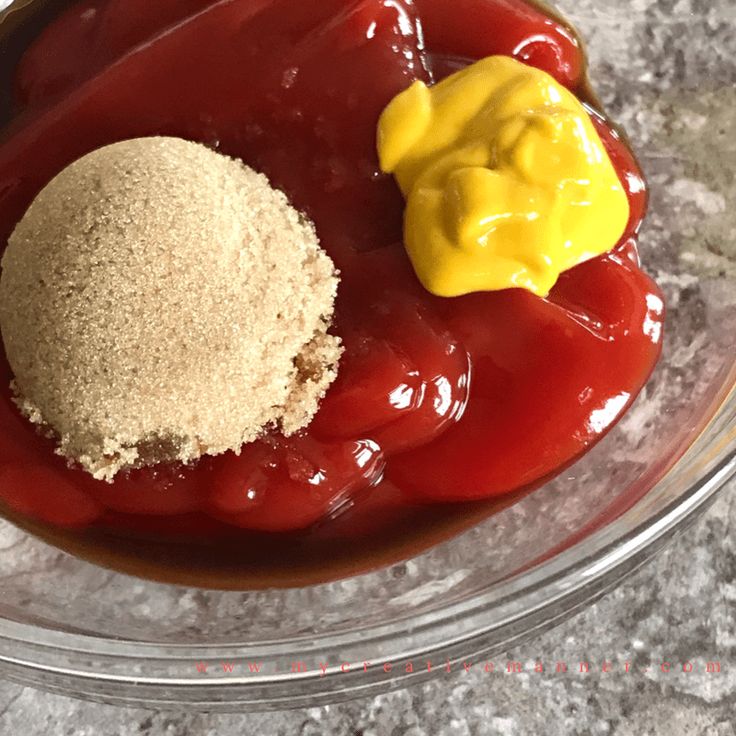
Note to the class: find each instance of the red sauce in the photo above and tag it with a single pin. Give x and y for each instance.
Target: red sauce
(437, 400)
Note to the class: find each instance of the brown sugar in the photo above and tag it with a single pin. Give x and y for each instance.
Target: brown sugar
(160, 301)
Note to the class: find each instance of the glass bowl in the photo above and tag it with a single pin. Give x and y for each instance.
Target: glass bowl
(667, 74)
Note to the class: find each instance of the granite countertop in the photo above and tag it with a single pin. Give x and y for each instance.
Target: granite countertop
(679, 609)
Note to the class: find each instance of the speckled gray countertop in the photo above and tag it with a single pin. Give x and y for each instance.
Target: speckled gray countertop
(680, 610)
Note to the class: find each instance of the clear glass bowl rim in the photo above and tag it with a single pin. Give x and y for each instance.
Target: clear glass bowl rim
(488, 621)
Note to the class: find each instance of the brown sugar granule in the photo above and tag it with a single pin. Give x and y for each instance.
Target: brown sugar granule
(160, 301)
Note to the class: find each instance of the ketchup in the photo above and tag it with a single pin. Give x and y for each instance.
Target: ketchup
(437, 400)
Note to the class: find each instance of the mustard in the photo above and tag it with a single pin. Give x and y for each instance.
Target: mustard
(506, 180)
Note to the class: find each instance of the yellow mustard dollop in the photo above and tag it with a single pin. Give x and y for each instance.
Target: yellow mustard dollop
(507, 181)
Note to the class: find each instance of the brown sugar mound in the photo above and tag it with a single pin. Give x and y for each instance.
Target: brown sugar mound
(160, 301)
